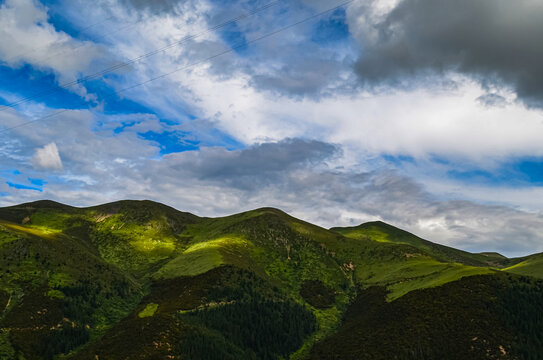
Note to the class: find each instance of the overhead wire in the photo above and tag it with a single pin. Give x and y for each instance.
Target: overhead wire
(132, 61)
(230, 50)
(80, 31)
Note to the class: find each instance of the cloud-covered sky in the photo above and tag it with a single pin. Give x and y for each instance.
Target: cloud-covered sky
(427, 114)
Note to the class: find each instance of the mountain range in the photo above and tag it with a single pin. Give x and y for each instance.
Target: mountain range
(141, 280)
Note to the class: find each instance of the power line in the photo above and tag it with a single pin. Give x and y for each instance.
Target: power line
(232, 49)
(82, 43)
(137, 59)
(81, 31)
(103, 36)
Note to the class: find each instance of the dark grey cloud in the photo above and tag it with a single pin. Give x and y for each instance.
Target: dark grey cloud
(496, 41)
(253, 167)
(154, 6)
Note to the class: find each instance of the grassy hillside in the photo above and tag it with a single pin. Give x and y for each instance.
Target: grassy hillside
(283, 250)
(59, 292)
(382, 255)
(479, 317)
(382, 232)
(79, 270)
(528, 266)
(138, 279)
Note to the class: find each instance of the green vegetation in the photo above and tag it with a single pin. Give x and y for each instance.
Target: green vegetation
(529, 266)
(382, 232)
(317, 294)
(149, 310)
(402, 262)
(446, 274)
(206, 344)
(6, 350)
(200, 257)
(479, 317)
(137, 279)
(269, 329)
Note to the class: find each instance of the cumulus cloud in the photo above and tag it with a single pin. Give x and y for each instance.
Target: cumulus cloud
(47, 158)
(495, 41)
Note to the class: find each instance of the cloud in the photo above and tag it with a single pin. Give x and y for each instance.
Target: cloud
(298, 175)
(250, 168)
(495, 41)
(47, 158)
(419, 123)
(492, 99)
(154, 6)
(26, 37)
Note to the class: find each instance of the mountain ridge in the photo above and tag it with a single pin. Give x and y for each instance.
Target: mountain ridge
(113, 268)
(116, 205)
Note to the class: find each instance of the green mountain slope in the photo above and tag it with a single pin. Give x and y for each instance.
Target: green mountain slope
(530, 266)
(382, 232)
(479, 317)
(138, 279)
(383, 255)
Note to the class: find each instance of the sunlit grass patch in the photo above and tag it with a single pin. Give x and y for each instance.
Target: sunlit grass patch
(41, 231)
(154, 247)
(60, 279)
(44, 231)
(391, 271)
(451, 272)
(221, 242)
(201, 257)
(50, 219)
(55, 294)
(372, 233)
(191, 264)
(149, 310)
(533, 266)
(328, 321)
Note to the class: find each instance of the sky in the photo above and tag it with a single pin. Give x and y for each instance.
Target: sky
(426, 114)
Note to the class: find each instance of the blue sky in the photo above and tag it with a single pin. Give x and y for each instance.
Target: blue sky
(330, 120)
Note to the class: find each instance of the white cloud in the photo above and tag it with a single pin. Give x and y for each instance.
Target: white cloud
(430, 120)
(418, 123)
(27, 37)
(47, 158)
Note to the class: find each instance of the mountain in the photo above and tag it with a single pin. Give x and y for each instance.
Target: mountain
(529, 265)
(382, 232)
(141, 280)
